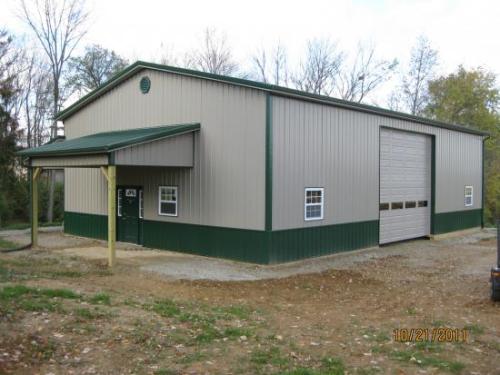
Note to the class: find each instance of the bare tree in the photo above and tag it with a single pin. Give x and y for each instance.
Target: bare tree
(58, 26)
(94, 67)
(272, 67)
(30, 86)
(12, 55)
(214, 55)
(37, 87)
(319, 71)
(168, 56)
(365, 75)
(394, 101)
(413, 89)
(259, 60)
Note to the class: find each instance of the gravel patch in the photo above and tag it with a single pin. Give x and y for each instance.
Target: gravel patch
(418, 254)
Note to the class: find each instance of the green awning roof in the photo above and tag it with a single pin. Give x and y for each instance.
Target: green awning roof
(108, 141)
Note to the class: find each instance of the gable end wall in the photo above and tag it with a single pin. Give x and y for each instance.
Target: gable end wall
(225, 188)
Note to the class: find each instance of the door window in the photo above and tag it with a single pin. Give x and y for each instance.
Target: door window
(141, 204)
(119, 202)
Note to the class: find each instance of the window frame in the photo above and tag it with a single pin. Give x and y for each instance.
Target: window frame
(141, 204)
(410, 204)
(423, 203)
(160, 201)
(119, 204)
(398, 205)
(321, 204)
(471, 195)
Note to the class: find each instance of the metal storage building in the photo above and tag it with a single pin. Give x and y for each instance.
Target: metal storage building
(189, 161)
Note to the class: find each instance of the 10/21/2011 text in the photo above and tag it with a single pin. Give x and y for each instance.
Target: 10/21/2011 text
(442, 334)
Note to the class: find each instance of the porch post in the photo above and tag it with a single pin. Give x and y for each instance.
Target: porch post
(34, 206)
(111, 172)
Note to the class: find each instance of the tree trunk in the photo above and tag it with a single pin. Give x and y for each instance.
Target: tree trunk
(53, 135)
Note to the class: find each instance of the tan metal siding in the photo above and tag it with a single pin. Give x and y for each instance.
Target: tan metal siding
(317, 145)
(170, 152)
(70, 161)
(226, 187)
(85, 190)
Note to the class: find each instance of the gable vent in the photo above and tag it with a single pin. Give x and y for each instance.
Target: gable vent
(145, 84)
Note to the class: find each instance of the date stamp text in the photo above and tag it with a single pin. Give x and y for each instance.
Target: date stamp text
(441, 334)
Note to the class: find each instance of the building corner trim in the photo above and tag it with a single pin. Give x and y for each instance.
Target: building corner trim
(483, 190)
(268, 221)
(269, 164)
(433, 184)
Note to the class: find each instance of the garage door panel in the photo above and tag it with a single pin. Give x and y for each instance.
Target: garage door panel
(404, 192)
(405, 165)
(406, 151)
(404, 219)
(400, 230)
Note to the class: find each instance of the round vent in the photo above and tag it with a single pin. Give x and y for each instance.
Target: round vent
(145, 85)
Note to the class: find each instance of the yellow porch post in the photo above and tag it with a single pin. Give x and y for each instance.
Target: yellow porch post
(34, 207)
(111, 174)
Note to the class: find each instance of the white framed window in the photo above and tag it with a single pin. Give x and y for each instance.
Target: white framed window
(141, 204)
(167, 200)
(119, 195)
(469, 196)
(313, 203)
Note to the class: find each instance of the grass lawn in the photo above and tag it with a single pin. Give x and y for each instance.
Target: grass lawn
(66, 313)
(4, 244)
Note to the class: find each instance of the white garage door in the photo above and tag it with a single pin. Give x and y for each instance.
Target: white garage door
(405, 185)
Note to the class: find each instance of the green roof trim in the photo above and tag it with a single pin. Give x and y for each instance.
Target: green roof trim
(273, 89)
(107, 142)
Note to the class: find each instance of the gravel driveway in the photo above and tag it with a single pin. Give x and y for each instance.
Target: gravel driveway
(418, 253)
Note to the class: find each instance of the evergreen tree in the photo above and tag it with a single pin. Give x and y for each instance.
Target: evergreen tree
(11, 184)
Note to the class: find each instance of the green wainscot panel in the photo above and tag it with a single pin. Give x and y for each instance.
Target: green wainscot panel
(230, 243)
(262, 247)
(457, 220)
(292, 244)
(86, 225)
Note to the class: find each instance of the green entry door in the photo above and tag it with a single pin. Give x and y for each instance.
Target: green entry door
(128, 228)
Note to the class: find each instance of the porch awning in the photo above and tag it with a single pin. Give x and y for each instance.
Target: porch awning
(170, 145)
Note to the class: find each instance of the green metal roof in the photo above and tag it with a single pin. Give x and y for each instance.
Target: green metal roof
(107, 142)
(273, 89)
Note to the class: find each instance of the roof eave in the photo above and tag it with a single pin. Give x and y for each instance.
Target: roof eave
(107, 149)
(105, 87)
(62, 154)
(275, 90)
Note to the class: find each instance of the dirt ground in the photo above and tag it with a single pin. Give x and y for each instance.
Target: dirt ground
(63, 312)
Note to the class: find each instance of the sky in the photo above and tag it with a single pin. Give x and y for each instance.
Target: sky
(463, 31)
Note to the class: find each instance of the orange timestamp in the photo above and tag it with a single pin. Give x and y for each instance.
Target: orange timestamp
(440, 334)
